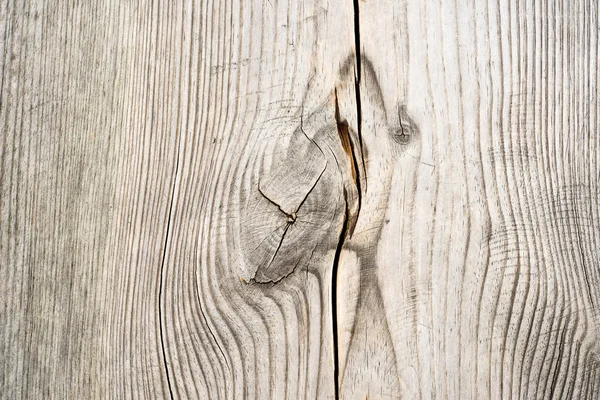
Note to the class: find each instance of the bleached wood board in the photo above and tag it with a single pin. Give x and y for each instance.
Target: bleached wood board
(484, 282)
(228, 200)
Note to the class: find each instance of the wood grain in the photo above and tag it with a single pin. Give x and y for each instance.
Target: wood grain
(88, 157)
(486, 267)
(299, 199)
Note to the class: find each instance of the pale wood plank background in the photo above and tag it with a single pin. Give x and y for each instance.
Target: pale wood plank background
(299, 199)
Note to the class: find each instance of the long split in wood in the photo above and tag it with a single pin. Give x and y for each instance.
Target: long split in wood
(349, 222)
(161, 279)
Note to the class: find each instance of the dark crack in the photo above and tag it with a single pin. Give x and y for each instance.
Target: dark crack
(160, 287)
(349, 148)
(290, 216)
(349, 221)
(334, 272)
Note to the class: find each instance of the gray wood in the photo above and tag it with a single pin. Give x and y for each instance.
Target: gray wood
(302, 199)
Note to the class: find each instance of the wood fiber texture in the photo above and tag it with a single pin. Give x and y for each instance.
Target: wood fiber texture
(300, 199)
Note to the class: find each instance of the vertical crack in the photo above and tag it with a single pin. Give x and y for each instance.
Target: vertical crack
(160, 287)
(357, 78)
(336, 260)
(349, 149)
(359, 122)
(348, 225)
(349, 220)
(357, 39)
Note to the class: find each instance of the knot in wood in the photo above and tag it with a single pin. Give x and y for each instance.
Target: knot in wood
(291, 218)
(289, 211)
(402, 135)
(407, 130)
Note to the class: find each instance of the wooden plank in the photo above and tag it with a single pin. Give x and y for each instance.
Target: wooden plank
(130, 136)
(473, 270)
(299, 199)
(257, 209)
(88, 116)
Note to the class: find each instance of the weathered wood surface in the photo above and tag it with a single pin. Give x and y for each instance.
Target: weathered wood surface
(302, 199)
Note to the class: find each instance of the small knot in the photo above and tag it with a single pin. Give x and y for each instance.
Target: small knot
(291, 218)
(402, 135)
(407, 129)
